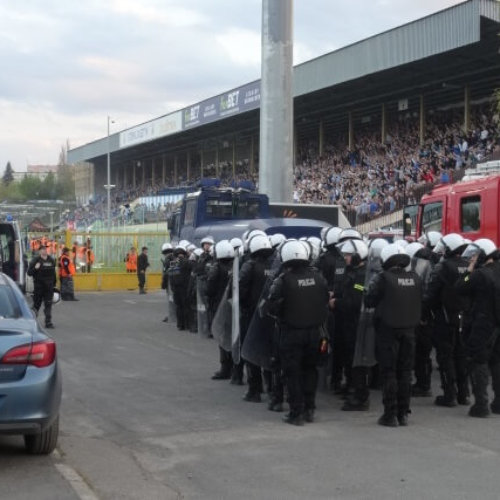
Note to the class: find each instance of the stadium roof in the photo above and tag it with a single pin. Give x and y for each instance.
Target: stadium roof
(435, 56)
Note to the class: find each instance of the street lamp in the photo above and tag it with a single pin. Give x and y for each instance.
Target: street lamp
(51, 224)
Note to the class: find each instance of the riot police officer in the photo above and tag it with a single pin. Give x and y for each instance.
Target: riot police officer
(218, 278)
(348, 304)
(481, 284)
(167, 251)
(299, 298)
(396, 295)
(179, 275)
(332, 265)
(43, 270)
(441, 300)
(253, 276)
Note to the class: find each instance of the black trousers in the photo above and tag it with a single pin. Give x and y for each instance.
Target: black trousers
(142, 280)
(43, 292)
(182, 308)
(395, 355)
(423, 362)
(299, 351)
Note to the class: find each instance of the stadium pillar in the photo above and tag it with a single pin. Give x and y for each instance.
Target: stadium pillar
(383, 128)
(320, 138)
(276, 104)
(217, 159)
(134, 179)
(143, 165)
(466, 108)
(153, 168)
(351, 131)
(252, 155)
(234, 158)
(163, 168)
(175, 168)
(422, 120)
(188, 164)
(125, 180)
(201, 163)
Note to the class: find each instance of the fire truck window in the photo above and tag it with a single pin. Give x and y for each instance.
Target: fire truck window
(432, 217)
(470, 209)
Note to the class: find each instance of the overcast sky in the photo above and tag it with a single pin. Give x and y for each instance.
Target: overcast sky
(67, 64)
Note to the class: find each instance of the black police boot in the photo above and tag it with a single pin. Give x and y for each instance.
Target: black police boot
(165, 319)
(221, 375)
(463, 394)
(237, 374)
(403, 417)
(449, 398)
(495, 382)
(252, 397)
(275, 405)
(337, 388)
(309, 416)
(293, 419)
(480, 378)
(49, 324)
(420, 392)
(355, 404)
(388, 420)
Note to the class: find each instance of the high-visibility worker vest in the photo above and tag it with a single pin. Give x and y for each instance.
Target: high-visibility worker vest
(63, 265)
(131, 262)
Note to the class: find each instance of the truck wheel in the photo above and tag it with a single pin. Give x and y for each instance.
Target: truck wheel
(44, 442)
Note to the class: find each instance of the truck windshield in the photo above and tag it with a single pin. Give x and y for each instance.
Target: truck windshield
(432, 217)
(217, 208)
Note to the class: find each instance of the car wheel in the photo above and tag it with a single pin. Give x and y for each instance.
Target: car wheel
(44, 442)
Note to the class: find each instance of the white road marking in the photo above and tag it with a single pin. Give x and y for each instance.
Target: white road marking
(77, 482)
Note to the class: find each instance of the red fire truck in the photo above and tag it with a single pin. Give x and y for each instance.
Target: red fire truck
(470, 207)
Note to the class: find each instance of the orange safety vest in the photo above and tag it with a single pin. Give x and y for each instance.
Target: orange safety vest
(71, 267)
(89, 256)
(131, 262)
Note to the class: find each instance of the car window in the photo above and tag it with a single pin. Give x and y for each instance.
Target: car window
(8, 304)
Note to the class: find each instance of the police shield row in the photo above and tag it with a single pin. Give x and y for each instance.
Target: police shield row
(372, 312)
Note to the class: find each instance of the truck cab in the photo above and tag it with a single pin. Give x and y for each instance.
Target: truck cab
(470, 207)
(226, 213)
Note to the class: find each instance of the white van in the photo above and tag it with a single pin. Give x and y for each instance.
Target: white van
(12, 253)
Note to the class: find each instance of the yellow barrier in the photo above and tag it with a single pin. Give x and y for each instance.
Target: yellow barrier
(96, 281)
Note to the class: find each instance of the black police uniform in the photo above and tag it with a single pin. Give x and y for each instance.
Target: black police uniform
(142, 265)
(332, 266)
(348, 305)
(217, 280)
(44, 281)
(253, 276)
(165, 262)
(422, 265)
(200, 274)
(299, 298)
(179, 276)
(482, 342)
(396, 295)
(442, 300)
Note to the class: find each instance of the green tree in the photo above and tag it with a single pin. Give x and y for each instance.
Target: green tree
(30, 187)
(48, 188)
(65, 175)
(8, 175)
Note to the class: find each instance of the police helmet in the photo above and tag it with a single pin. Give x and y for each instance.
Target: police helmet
(375, 246)
(224, 250)
(191, 247)
(197, 252)
(413, 248)
(183, 243)
(207, 239)
(315, 244)
(430, 239)
(402, 243)
(277, 239)
(449, 245)
(356, 248)
(56, 297)
(349, 234)
(180, 249)
(166, 248)
(250, 235)
(294, 251)
(259, 243)
(323, 232)
(236, 242)
(394, 255)
(331, 236)
(484, 248)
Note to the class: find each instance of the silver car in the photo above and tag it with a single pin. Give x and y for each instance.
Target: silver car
(30, 380)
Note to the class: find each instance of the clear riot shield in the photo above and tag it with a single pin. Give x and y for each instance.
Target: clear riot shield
(260, 340)
(235, 323)
(172, 312)
(202, 307)
(364, 350)
(222, 322)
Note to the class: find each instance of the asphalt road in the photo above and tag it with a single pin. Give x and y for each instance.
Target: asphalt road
(141, 419)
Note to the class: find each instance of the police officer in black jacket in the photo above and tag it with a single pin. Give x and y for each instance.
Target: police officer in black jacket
(443, 302)
(481, 284)
(253, 277)
(43, 270)
(167, 251)
(332, 266)
(142, 265)
(299, 298)
(218, 278)
(396, 295)
(348, 305)
(179, 275)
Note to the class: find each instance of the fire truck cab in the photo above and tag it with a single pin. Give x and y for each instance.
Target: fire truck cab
(470, 207)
